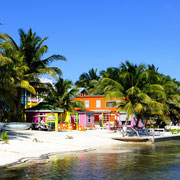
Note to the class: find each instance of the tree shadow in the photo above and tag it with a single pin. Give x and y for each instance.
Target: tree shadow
(18, 135)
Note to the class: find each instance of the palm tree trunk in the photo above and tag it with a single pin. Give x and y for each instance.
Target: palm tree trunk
(19, 109)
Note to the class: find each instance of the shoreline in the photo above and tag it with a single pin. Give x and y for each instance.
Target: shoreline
(23, 149)
(28, 146)
(42, 157)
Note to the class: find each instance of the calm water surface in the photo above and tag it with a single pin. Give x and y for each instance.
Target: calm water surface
(127, 161)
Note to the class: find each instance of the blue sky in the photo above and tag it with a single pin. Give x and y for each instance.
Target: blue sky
(101, 33)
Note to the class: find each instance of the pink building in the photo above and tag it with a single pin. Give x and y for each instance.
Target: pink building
(85, 118)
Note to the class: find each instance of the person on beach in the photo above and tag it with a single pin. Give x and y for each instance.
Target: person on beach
(101, 120)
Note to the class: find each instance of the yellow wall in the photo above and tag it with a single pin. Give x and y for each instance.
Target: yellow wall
(29, 105)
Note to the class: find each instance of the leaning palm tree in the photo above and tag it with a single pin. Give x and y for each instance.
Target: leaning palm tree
(27, 63)
(61, 94)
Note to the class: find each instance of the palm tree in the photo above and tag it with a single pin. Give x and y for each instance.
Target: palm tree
(169, 97)
(98, 89)
(60, 95)
(88, 80)
(172, 103)
(13, 82)
(27, 64)
(111, 72)
(131, 90)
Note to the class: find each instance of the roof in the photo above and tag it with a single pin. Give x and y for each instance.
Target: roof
(83, 111)
(82, 89)
(102, 111)
(90, 96)
(44, 108)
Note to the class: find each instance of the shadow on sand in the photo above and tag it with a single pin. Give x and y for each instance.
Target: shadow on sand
(17, 134)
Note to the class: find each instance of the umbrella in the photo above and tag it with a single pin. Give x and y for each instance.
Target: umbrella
(120, 122)
(133, 122)
(140, 124)
(109, 125)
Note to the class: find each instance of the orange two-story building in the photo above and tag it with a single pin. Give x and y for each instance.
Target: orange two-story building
(99, 106)
(102, 108)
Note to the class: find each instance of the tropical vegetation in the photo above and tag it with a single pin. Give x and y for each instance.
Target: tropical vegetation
(61, 93)
(142, 91)
(88, 80)
(4, 137)
(20, 66)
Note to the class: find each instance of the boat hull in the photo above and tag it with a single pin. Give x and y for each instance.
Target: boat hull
(133, 139)
(15, 126)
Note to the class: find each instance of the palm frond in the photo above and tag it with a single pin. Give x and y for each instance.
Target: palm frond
(11, 40)
(3, 37)
(57, 70)
(144, 75)
(42, 50)
(138, 107)
(4, 60)
(113, 94)
(24, 84)
(133, 90)
(40, 43)
(156, 87)
(53, 58)
(107, 81)
(47, 70)
(144, 97)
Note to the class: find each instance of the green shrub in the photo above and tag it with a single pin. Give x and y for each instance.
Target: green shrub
(178, 130)
(175, 131)
(4, 137)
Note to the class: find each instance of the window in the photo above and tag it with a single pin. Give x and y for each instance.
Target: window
(51, 126)
(41, 117)
(89, 118)
(87, 104)
(110, 104)
(98, 103)
(106, 117)
(123, 117)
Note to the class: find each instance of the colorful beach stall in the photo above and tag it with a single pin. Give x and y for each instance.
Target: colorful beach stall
(80, 120)
(44, 113)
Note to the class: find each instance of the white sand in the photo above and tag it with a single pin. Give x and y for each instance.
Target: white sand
(22, 146)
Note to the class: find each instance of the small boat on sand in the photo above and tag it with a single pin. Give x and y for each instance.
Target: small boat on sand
(15, 126)
(134, 139)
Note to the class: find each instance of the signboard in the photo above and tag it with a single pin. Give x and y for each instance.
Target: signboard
(52, 120)
(51, 117)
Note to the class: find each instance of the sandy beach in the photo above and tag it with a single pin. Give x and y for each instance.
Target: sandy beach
(29, 145)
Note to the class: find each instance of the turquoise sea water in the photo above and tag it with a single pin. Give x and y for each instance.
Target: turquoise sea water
(126, 161)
